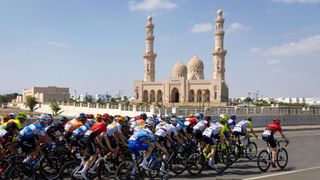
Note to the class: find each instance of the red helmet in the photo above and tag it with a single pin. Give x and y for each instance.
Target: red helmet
(106, 117)
(276, 121)
(90, 116)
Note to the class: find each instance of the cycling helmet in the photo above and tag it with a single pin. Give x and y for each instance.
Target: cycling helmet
(174, 121)
(150, 124)
(11, 126)
(215, 121)
(190, 115)
(223, 118)
(233, 116)
(12, 115)
(6, 116)
(197, 115)
(99, 116)
(144, 116)
(45, 117)
(22, 116)
(121, 120)
(91, 122)
(249, 118)
(90, 116)
(276, 121)
(63, 119)
(106, 118)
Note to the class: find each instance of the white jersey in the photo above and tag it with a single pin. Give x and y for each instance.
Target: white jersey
(241, 126)
(113, 128)
(200, 126)
(214, 129)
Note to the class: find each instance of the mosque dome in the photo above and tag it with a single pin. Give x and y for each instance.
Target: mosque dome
(179, 70)
(195, 69)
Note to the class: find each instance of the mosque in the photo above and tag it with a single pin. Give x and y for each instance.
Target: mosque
(187, 85)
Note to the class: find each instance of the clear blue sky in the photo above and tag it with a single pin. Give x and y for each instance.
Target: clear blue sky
(97, 46)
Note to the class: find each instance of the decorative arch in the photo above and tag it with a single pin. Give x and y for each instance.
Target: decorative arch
(207, 95)
(159, 96)
(152, 96)
(145, 96)
(175, 95)
(199, 96)
(191, 95)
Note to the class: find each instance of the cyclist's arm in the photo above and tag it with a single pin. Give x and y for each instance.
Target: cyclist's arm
(284, 137)
(106, 138)
(251, 130)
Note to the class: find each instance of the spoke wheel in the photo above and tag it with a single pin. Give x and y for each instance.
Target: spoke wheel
(264, 160)
(282, 158)
(178, 164)
(22, 171)
(127, 171)
(195, 163)
(251, 151)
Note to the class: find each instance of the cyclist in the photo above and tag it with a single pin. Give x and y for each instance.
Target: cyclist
(115, 134)
(63, 120)
(27, 139)
(92, 138)
(5, 118)
(8, 137)
(212, 135)
(99, 118)
(268, 136)
(241, 128)
(21, 118)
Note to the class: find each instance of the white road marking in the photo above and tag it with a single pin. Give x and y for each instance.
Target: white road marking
(283, 173)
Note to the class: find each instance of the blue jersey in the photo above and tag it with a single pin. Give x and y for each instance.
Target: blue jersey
(80, 131)
(32, 130)
(142, 135)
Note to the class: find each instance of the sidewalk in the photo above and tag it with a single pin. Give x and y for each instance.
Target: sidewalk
(292, 128)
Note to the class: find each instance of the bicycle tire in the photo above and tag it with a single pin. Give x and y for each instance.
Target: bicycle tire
(264, 160)
(68, 170)
(125, 169)
(251, 151)
(178, 164)
(22, 171)
(195, 164)
(221, 161)
(282, 156)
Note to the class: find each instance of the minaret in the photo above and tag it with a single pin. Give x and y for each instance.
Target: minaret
(219, 53)
(149, 56)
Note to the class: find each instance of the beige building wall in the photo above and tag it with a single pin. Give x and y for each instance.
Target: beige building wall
(47, 94)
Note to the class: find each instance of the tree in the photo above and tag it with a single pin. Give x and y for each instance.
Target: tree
(8, 97)
(247, 100)
(31, 103)
(55, 108)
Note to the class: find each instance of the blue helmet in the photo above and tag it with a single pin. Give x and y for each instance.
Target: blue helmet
(233, 116)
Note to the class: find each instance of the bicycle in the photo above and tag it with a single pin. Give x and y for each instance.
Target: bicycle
(264, 158)
(244, 147)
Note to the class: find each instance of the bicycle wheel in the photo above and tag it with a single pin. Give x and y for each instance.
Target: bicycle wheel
(22, 171)
(50, 166)
(154, 168)
(195, 163)
(127, 170)
(282, 158)
(178, 164)
(222, 160)
(103, 170)
(251, 151)
(264, 160)
(69, 170)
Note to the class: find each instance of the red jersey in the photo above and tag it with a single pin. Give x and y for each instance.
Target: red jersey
(274, 128)
(99, 128)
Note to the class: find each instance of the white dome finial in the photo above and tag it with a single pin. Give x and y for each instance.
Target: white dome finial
(219, 13)
(149, 18)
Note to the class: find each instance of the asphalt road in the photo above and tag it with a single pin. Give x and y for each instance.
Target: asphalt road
(304, 162)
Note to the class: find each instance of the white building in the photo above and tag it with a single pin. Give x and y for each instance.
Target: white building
(84, 97)
(103, 97)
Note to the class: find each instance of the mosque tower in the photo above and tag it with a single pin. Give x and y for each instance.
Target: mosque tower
(221, 91)
(149, 56)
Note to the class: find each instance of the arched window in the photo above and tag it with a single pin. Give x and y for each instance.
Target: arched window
(152, 96)
(191, 95)
(159, 96)
(199, 96)
(175, 95)
(207, 95)
(145, 96)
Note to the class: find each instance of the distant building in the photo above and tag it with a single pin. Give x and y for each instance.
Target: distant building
(45, 94)
(103, 97)
(86, 97)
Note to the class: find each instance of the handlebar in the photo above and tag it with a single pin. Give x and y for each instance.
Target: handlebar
(281, 141)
